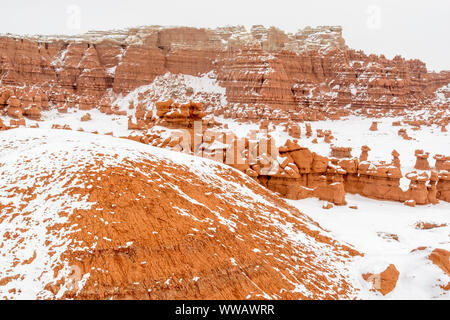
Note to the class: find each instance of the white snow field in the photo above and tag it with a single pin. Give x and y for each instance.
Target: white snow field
(373, 229)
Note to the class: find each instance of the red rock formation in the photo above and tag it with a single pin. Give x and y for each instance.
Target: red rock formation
(441, 258)
(374, 126)
(410, 203)
(268, 75)
(404, 134)
(327, 136)
(429, 225)
(422, 160)
(395, 159)
(295, 172)
(86, 117)
(305, 76)
(341, 152)
(327, 206)
(384, 282)
(140, 125)
(17, 123)
(294, 130)
(175, 115)
(443, 186)
(364, 153)
(442, 162)
(308, 130)
(2, 125)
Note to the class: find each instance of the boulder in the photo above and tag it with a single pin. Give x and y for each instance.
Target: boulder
(384, 282)
(441, 258)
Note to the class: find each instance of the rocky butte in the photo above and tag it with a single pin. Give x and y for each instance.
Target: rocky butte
(303, 76)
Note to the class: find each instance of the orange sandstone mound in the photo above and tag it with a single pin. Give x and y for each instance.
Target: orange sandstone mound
(97, 217)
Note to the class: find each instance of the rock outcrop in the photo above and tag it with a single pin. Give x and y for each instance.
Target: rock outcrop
(422, 160)
(441, 258)
(175, 115)
(384, 282)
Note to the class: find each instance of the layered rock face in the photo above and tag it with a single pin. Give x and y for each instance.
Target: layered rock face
(267, 73)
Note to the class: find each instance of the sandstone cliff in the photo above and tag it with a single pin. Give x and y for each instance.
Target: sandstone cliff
(303, 76)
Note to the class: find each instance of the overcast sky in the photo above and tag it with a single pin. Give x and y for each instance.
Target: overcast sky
(414, 29)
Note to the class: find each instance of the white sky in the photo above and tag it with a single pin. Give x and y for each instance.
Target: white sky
(413, 29)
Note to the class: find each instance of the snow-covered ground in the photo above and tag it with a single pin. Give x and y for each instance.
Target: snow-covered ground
(373, 229)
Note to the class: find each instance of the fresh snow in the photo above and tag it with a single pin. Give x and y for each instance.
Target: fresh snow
(369, 229)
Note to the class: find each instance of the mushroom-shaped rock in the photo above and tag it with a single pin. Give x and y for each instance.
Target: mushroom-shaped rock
(443, 185)
(422, 160)
(440, 161)
(308, 130)
(34, 112)
(395, 158)
(264, 125)
(418, 190)
(294, 130)
(13, 101)
(364, 153)
(374, 126)
(174, 115)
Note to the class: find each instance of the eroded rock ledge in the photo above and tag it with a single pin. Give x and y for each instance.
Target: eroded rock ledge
(308, 75)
